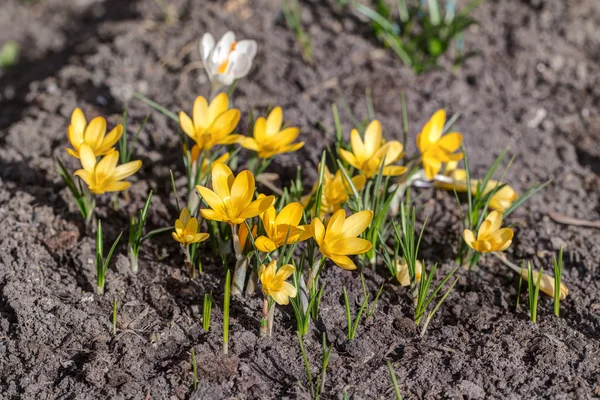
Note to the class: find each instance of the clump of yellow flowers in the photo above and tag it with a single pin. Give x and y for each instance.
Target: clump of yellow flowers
(344, 220)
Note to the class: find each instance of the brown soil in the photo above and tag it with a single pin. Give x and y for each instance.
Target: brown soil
(534, 86)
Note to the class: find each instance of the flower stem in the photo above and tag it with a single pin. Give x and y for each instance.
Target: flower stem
(188, 260)
(241, 264)
(252, 283)
(264, 321)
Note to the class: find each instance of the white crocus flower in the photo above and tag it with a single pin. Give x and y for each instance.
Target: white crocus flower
(228, 60)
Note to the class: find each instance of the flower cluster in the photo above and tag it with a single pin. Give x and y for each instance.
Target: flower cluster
(346, 219)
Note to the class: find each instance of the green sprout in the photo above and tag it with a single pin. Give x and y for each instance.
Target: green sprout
(101, 262)
(194, 369)
(206, 310)
(9, 54)
(83, 198)
(316, 388)
(558, 268)
(533, 292)
(420, 35)
(293, 16)
(352, 326)
(394, 380)
(226, 312)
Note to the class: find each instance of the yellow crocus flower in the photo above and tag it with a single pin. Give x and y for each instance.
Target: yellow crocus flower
(340, 238)
(490, 237)
(104, 175)
(212, 124)
(280, 226)
(367, 156)
(230, 199)
(435, 148)
(186, 229)
(547, 283)
(500, 201)
(94, 135)
(403, 275)
(336, 191)
(273, 282)
(269, 139)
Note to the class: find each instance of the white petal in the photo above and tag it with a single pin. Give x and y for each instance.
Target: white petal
(207, 44)
(223, 48)
(247, 47)
(239, 65)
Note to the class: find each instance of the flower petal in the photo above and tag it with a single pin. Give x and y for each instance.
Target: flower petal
(350, 158)
(343, 262)
(351, 246)
(257, 207)
(218, 106)
(291, 214)
(116, 186)
(358, 147)
(274, 122)
(94, 133)
(242, 190)
(451, 142)
(79, 124)
(211, 198)
(207, 44)
(318, 230)
(222, 180)
(126, 170)
(355, 224)
(109, 140)
(200, 114)
(432, 131)
(213, 215)
(88, 158)
(373, 139)
(469, 238)
(187, 125)
(265, 244)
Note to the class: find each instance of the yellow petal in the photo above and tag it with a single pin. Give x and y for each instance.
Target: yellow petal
(250, 144)
(260, 130)
(213, 215)
(274, 121)
(335, 226)
(287, 288)
(432, 131)
(187, 125)
(218, 106)
(210, 197)
(343, 262)
(200, 237)
(284, 272)
(495, 219)
(116, 186)
(225, 123)
(394, 170)
(280, 298)
(451, 142)
(287, 136)
(75, 138)
(290, 215)
(257, 207)
(85, 175)
(350, 158)
(192, 225)
(200, 114)
(94, 133)
(318, 230)
(123, 171)
(109, 140)
(242, 190)
(87, 157)
(351, 246)
(373, 139)
(184, 218)
(355, 224)
(432, 166)
(106, 167)
(79, 124)
(469, 237)
(265, 244)
(222, 180)
(358, 147)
